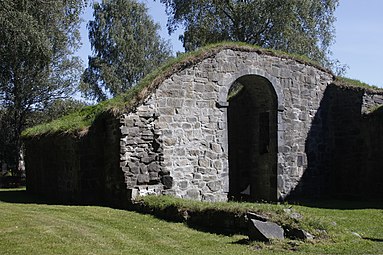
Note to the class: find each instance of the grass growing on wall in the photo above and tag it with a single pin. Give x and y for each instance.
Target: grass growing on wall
(379, 110)
(81, 120)
(355, 83)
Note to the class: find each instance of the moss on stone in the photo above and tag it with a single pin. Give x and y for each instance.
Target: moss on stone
(78, 122)
(351, 83)
(378, 111)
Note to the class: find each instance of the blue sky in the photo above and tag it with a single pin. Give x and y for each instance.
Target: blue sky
(359, 37)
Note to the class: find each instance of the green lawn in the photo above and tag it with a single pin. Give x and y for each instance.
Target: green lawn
(29, 226)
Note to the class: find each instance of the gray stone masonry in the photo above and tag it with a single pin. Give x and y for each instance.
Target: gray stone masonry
(176, 142)
(236, 125)
(371, 101)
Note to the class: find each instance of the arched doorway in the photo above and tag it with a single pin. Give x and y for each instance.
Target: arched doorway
(252, 135)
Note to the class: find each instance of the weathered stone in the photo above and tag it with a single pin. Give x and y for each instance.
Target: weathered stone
(167, 181)
(297, 233)
(193, 194)
(124, 130)
(183, 184)
(170, 141)
(186, 126)
(217, 148)
(287, 134)
(217, 164)
(153, 176)
(215, 185)
(255, 216)
(264, 231)
(164, 172)
(134, 168)
(154, 167)
(142, 179)
(204, 162)
(148, 159)
(292, 214)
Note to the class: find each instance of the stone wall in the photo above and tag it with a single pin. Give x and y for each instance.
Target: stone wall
(288, 132)
(78, 169)
(344, 147)
(191, 125)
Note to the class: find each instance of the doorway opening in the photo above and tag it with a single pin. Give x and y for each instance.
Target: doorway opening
(252, 137)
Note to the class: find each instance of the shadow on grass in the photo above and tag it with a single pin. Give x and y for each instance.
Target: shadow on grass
(373, 239)
(243, 241)
(214, 229)
(340, 204)
(21, 196)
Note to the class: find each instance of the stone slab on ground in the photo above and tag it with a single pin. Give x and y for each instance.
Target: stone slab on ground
(264, 231)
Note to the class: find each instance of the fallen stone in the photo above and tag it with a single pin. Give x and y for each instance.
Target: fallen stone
(292, 214)
(297, 233)
(254, 216)
(264, 231)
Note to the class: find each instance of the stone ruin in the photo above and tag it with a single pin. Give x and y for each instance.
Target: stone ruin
(239, 123)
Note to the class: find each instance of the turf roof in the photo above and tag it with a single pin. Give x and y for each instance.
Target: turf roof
(78, 122)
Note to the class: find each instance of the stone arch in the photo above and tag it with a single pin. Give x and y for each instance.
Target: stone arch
(252, 138)
(228, 81)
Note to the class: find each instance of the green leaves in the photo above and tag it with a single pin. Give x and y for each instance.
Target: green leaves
(37, 66)
(126, 47)
(304, 27)
(37, 40)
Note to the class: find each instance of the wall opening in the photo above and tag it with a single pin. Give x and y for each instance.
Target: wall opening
(252, 137)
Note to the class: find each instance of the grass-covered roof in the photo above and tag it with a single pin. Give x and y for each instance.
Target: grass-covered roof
(78, 122)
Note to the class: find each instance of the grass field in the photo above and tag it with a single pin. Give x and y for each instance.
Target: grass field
(30, 226)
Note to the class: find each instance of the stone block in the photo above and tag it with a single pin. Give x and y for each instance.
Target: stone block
(154, 177)
(297, 233)
(193, 194)
(164, 172)
(166, 110)
(197, 176)
(203, 163)
(215, 185)
(217, 148)
(170, 141)
(134, 168)
(206, 171)
(124, 130)
(264, 231)
(167, 181)
(142, 179)
(183, 184)
(186, 126)
(147, 133)
(143, 169)
(174, 102)
(255, 216)
(217, 164)
(211, 155)
(180, 152)
(148, 159)
(133, 131)
(154, 167)
(209, 197)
